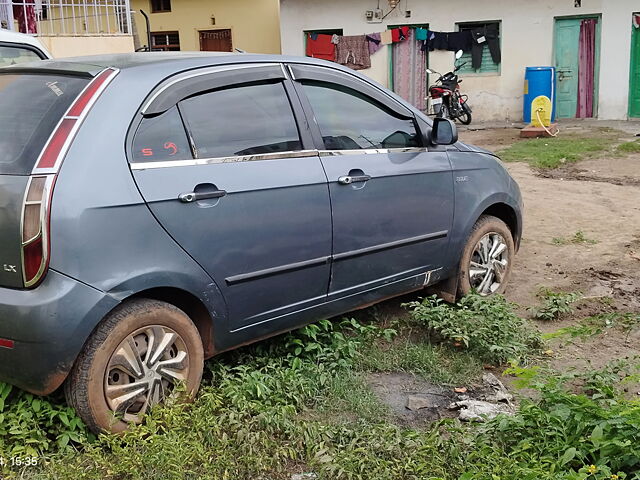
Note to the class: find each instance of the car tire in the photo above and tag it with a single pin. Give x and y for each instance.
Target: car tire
(125, 368)
(487, 258)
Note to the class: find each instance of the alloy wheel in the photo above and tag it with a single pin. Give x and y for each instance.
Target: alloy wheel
(143, 371)
(489, 263)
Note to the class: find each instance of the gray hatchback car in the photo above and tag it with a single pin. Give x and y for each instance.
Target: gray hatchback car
(158, 209)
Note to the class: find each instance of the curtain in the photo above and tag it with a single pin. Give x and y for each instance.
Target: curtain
(409, 71)
(25, 13)
(586, 67)
(6, 14)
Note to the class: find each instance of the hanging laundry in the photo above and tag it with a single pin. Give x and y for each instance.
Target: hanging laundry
(335, 39)
(353, 51)
(374, 42)
(487, 35)
(421, 34)
(636, 21)
(321, 47)
(386, 37)
(460, 41)
(439, 41)
(399, 34)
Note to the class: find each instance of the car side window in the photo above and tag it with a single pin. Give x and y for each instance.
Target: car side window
(349, 120)
(161, 138)
(242, 120)
(16, 55)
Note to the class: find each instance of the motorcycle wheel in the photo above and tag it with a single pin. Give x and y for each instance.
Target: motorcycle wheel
(465, 118)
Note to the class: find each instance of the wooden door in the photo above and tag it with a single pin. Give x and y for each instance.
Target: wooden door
(567, 40)
(634, 84)
(216, 40)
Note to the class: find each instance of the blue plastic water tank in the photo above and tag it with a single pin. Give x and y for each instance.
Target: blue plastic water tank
(539, 81)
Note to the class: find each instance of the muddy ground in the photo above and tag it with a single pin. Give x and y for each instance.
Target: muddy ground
(599, 197)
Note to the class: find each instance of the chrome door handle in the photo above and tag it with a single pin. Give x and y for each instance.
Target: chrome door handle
(348, 179)
(194, 196)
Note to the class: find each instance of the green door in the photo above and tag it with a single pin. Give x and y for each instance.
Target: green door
(634, 84)
(567, 39)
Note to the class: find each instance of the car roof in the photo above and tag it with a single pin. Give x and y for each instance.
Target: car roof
(21, 38)
(161, 62)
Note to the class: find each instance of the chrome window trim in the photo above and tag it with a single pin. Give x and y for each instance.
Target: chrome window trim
(371, 151)
(219, 160)
(198, 73)
(271, 156)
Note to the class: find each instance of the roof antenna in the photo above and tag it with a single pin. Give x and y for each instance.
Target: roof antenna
(239, 50)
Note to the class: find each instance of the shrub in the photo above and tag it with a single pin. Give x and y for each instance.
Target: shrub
(486, 326)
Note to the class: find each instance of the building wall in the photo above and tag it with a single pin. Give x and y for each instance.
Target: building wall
(254, 24)
(527, 30)
(70, 46)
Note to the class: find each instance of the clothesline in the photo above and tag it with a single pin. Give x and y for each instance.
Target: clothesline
(355, 51)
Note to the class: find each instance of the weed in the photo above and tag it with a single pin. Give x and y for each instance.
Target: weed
(33, 426)
(554, 304)
(486, 326)
(597, 324)
(578, 238)
(548, 153)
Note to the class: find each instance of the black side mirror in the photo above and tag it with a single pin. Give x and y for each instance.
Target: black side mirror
(443, 132)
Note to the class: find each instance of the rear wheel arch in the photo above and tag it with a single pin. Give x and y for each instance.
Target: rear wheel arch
(191, 305)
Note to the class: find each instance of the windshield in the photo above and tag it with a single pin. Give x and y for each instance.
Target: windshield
(30, 107)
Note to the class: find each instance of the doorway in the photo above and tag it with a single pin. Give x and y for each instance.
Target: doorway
(577, 60)
(408, 66)
(216, 40)
(634, 82)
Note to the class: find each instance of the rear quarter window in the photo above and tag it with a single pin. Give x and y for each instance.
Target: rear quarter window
(161, 138)
(10, 55)
(31, 105)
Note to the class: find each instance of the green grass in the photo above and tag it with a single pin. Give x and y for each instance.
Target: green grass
(629, 147)
(437, 364)
(549, 153)
(578, 238)
(300, 403)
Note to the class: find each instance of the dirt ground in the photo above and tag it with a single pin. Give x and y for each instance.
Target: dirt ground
(601, 198)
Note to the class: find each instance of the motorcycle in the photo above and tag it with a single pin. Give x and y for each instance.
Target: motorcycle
(446, 99)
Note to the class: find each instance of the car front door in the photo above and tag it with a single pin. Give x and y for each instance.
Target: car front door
(241, 189)
(391, 197)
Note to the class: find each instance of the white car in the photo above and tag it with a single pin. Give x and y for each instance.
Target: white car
(19, 48)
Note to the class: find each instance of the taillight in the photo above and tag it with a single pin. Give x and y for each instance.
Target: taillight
(37, 201)
(35, 229)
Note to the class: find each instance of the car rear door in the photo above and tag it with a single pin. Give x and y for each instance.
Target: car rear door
(391, 196)
(241, 189)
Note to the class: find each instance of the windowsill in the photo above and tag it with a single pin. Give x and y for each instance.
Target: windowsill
(480, 74)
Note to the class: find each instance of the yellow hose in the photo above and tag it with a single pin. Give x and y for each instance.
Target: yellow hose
(545, 128)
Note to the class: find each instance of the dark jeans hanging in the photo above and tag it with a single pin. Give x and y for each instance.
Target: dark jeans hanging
(492, 40)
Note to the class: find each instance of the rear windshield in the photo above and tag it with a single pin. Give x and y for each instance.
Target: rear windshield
(30, 108)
